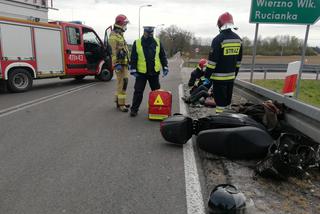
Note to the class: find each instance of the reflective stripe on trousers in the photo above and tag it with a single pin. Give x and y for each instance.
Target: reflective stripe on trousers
(220, 109)
(223, 76)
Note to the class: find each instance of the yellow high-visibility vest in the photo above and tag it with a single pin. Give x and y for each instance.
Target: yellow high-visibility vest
(142, 64)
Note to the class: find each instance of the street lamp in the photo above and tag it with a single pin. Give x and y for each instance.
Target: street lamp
(146, 5)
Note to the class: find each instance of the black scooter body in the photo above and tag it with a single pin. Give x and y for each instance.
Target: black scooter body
(225, 120)
(177, 129)
(245, 142)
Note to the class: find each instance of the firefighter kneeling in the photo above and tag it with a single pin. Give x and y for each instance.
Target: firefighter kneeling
(198, 73)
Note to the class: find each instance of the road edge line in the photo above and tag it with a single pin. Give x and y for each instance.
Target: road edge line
(195, 203)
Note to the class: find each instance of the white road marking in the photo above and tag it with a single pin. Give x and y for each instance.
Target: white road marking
(195, 204)
(13, 109)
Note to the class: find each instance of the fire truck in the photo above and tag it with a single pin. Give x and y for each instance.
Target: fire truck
(35, 50)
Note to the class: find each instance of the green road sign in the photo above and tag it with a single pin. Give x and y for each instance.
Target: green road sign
(285, 11)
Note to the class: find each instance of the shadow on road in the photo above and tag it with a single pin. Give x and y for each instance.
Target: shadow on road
(43, 85)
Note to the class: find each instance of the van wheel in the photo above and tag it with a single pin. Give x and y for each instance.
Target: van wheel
(105, 75)
(19, 80)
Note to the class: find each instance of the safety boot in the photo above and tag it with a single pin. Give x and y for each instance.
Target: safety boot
(133, 113)
(186, 99)
(123, 108)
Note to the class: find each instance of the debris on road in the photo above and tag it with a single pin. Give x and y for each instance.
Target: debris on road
(293, 195)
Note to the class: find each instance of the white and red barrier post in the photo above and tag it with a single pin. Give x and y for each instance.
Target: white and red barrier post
(291, 78)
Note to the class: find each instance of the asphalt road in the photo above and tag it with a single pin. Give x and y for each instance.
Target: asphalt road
(70, 151)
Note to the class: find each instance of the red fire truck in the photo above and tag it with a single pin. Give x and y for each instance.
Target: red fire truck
(34, 50)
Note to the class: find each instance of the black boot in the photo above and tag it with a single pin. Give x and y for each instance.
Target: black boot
(133, 113)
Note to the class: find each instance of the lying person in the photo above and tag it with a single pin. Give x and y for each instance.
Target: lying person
(201, 94)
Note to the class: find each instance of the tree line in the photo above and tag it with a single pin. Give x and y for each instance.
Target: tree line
(176, 40)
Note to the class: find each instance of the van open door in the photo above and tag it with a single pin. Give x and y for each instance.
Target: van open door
(107, 48)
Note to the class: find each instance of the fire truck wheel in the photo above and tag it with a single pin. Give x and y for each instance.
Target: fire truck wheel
(105, 75)
(79, 77)
(19, 80)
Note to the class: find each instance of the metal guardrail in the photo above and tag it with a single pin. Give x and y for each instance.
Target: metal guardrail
(279, 67)
(301, 116)
(260, 67)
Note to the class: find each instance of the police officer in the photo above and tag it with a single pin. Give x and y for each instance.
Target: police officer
(224, 62)
(120, 59)
(147, 57)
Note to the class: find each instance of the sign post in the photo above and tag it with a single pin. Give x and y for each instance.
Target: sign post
(302, 62)
(254, 51)
(304, 12)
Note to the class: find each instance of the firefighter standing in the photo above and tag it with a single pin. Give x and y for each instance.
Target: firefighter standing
(224, 62)
(147, 57)
(120, 59)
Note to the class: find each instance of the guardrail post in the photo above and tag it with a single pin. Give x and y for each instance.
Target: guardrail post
(317, 76)
(265, 73)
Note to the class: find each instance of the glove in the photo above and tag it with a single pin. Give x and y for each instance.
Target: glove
(118, 67)
(206, 82)
(165, 71)
(134, 73)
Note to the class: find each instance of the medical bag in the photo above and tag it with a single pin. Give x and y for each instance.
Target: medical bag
(160, 104)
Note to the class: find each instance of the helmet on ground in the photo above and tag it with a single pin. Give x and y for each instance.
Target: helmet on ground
(226, 198)
(202, 63)
(225, 21)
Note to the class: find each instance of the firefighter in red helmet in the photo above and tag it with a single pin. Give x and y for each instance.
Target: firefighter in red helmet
(198, 72)
(120, 59)
(224, 62)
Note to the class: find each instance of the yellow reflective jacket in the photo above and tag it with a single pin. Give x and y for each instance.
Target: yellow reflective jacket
(142, 64)
(120, 50)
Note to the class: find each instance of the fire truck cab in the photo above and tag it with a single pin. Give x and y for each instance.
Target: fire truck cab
(34, 50)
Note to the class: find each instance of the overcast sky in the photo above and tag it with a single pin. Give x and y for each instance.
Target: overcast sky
(196, 16)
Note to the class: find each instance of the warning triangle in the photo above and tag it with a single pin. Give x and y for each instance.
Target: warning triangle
(158, 101)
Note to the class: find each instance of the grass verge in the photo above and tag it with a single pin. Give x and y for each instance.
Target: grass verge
(309, 90)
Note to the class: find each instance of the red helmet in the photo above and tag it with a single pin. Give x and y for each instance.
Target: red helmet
(121, 20)
(225, 18)
(202, 63)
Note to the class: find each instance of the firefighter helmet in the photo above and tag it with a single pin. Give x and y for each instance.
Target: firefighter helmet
(202, 63)
(121, 20)
(225, 19)
(226, 198)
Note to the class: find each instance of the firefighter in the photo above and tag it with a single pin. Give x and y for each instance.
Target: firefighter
(120, 59)
(224, 62)
(198, 72)
(147, 58)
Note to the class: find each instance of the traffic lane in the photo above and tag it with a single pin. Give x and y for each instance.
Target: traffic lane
(41, 88)
(77, 154)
